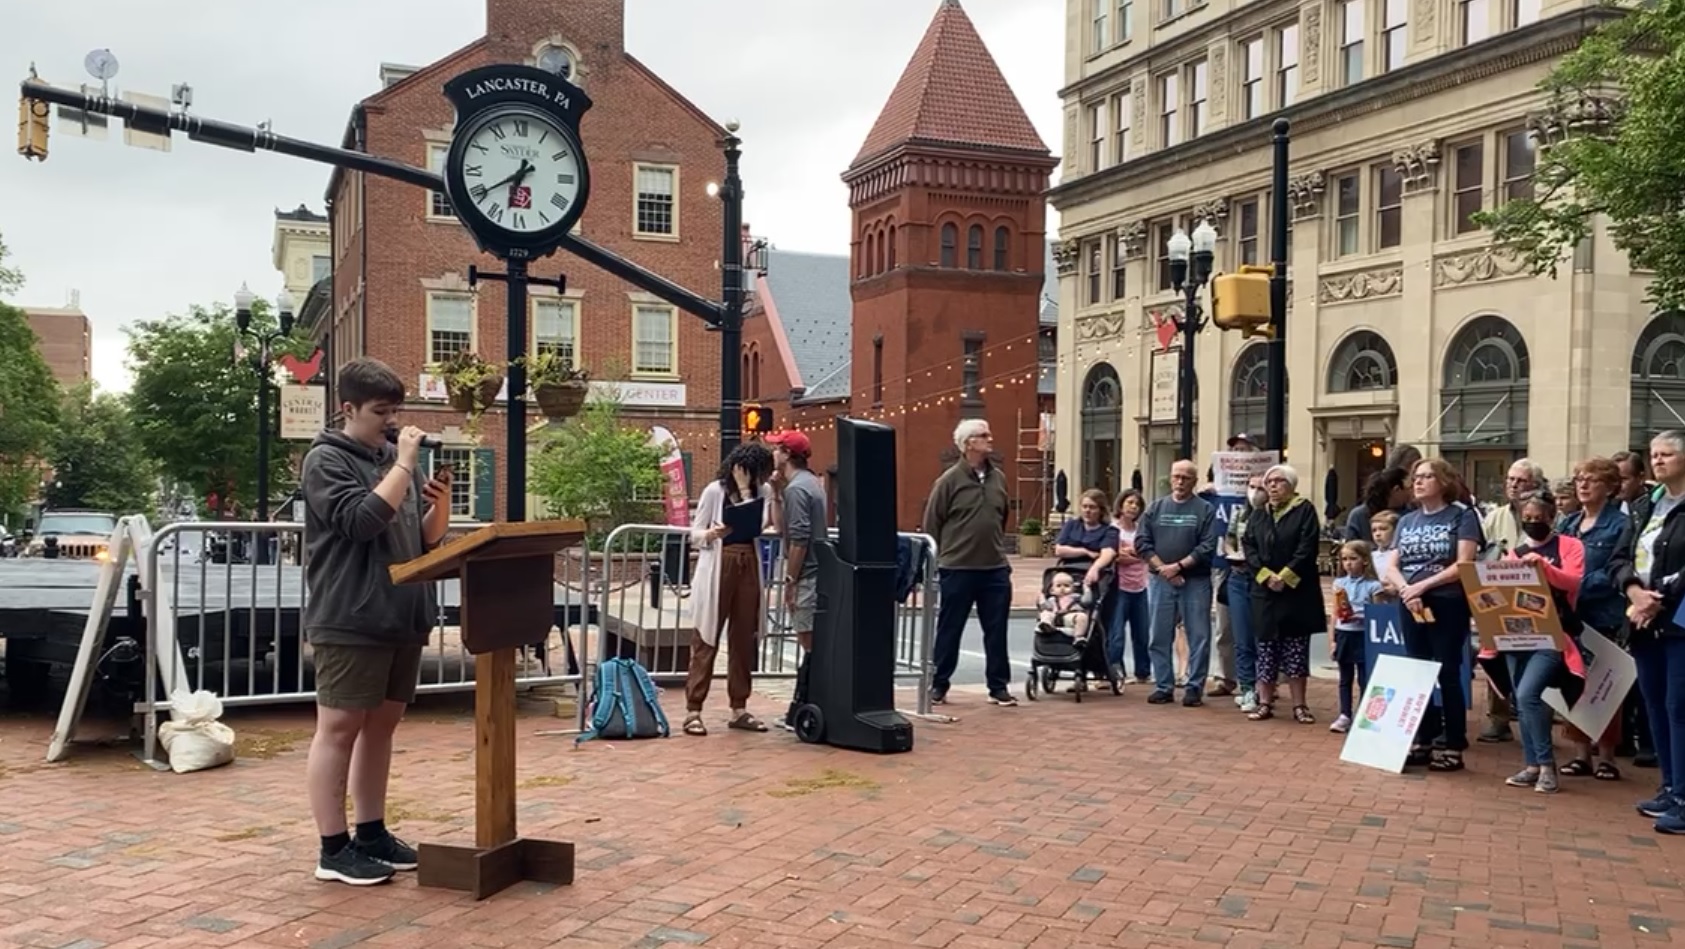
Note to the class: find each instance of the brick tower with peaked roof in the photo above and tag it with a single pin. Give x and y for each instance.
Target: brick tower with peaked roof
(948, 250)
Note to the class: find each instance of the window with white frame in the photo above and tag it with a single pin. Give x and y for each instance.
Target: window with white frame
(1173, 8)
(1395, 33)
(321, 267)
(1252, 78)
(1389, 207)
(1123, 112)
(1348, 211)
(555, 328)
(653, 343)
(1520, 158)
(1351, 42)
(1102, 36)
(462, 484)
(1091, 272)
(450, 325)
(1476, 20)
(657, 207)
(1097, 136)
(1198, 94)
(1125, 25)
(437, 204)
(1287, 65)
(1119, 269)
(1169, 100)
(1468, 175)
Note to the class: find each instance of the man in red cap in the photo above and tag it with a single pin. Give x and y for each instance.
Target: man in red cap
(802, 499)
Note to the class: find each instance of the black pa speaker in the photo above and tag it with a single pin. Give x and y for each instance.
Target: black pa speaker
(866, 497)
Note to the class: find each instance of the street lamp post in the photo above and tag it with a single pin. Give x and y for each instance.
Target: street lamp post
(1190, 268)
(731, 290)
(262, 362)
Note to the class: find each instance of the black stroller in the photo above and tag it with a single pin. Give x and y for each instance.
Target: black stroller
(1054, 652)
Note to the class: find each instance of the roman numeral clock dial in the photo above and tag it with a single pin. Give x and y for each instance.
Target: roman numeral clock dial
(521, 172)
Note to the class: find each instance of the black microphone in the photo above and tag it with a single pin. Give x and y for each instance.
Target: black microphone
(427, 441)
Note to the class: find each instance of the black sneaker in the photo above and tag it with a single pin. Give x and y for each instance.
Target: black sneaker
(1160, 697)
(1002, 698)
(939, 696)
(1192, 699)
(388, 850)
(351, 865)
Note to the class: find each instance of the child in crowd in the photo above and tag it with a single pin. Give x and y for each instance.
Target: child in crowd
(1382, 528)
(1061, 610)
(1354, 589)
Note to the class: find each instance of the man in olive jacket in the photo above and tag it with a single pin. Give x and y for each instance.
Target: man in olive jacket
(967, 514)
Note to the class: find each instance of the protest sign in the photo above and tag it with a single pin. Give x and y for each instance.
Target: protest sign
(1231, 470)
(1610, 675)
(1384, 628)
(1388, 712)
(1513, 607)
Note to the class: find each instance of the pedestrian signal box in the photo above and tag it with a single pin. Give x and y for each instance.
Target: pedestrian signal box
(33, 126)
(757, 419)
(1241, 301)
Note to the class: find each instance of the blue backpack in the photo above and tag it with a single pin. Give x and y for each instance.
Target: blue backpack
(624, 704)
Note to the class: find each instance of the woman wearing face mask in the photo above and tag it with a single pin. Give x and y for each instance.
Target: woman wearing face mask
(1562, 560)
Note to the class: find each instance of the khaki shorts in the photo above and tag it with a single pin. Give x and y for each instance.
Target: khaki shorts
(807, 601)
(360, 678)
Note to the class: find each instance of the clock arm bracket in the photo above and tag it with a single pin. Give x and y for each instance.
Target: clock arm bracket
(475, 275)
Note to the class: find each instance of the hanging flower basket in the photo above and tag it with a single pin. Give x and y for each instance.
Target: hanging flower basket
(476, 398)
(561, 399)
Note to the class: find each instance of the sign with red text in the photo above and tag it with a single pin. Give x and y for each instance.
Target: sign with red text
(1513, 607)
(675, 490)
(1388, 712)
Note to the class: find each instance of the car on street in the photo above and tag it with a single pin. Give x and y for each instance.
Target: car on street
(72, 535)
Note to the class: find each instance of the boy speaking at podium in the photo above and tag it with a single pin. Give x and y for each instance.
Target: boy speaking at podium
(364, 500)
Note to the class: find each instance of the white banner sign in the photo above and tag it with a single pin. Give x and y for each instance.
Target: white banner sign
(1388, 712)
(1231, 470)
(304, 411)
(1163, 402)
(1610, 675)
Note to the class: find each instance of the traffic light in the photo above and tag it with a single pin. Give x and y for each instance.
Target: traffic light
(757, 419)
(1241, 301)
(33, 125)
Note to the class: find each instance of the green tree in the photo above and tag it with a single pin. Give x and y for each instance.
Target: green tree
(1613, 145)
(597, 468)
(97, 457)
(195, 406)
(29, 398)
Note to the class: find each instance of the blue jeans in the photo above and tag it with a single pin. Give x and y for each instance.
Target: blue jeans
(1661, 681)
(1129, 609)
(991, 592)
(1192, 601)
(1240, 622)
(1531, 673)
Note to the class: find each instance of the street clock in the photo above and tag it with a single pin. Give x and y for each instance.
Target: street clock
(515, 174)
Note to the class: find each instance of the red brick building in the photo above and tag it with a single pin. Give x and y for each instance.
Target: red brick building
(947, 280)
(400, 292)
(66, 342)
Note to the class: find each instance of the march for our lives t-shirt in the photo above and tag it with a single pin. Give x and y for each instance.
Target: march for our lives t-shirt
(1427, 543)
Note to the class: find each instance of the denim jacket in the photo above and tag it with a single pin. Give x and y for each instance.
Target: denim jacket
(1608, 548)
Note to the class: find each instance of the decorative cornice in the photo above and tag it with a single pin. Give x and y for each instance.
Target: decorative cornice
(1478, 266)
(1538, 42)
(1305, 191)
(1419, 166)
(1132, 240)
(1385, 281)
(1216, 211)
(1593, 115)
(1065, 254)
(1099, 326)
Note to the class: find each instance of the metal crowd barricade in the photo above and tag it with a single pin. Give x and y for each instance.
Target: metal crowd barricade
(236, 628)
(644, 576)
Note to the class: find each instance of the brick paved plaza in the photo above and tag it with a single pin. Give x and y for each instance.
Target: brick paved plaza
(1109, 824)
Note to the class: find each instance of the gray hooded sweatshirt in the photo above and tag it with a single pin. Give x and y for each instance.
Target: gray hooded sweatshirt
(351, 537)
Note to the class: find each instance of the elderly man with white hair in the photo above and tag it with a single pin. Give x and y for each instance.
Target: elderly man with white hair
(1178, 539)
(966, 514)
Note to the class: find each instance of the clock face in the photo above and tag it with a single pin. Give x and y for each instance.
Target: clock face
(520, 171)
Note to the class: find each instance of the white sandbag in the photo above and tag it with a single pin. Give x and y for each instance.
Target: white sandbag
(193, 737)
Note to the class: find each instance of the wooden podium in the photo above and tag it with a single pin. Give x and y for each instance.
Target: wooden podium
(507, 579)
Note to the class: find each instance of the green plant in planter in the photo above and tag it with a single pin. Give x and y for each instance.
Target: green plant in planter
(471, 384)
(557, 385)
(1029, 527)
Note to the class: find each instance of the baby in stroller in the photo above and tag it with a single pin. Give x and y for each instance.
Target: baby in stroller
(1063, 612)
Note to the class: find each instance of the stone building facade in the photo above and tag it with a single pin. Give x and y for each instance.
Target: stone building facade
(1406, 323)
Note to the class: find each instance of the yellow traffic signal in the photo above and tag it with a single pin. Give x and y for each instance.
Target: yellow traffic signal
(757, 419)
(1241, 301)
(33, 127)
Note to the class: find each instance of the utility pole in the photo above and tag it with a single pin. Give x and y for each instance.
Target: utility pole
(1275, 378)
(731, 294)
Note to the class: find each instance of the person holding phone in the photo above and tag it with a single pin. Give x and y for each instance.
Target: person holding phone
(367, 506)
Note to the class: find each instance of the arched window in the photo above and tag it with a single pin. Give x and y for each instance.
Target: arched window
(755, 374)
(1658, 379)
(1249, 392)
(1102, 429)
(1002, 236)
(1483, 402)
(883, 250)
(743, 380)
(869, 257)
(1362, 362)
(974, 248)
(890, 238)
(950, 245)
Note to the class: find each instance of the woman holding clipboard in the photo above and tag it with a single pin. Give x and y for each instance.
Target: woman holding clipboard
(734, 511)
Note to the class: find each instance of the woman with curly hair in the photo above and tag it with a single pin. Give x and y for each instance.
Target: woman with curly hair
(726, 597)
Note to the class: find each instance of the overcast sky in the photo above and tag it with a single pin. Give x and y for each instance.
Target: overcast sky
(141, 233)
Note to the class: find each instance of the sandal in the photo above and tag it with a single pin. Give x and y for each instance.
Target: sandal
(694, 726)
(1302, 715)
(1578, 768)
(744, 722)
(1263, 713)
(1606, 771)
(1419, 756)
(1446, 761)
